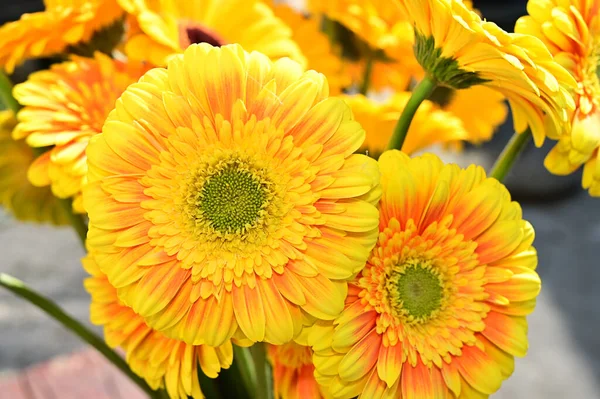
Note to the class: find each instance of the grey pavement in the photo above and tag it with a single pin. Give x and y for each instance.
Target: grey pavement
(564, 356)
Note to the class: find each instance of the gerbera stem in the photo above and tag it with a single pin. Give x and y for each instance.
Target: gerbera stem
(50, 308)
(243, 358)
(419, 94)
(509, 154)
(76, 220)
(367, 74)
(6, 96)
(264, 378)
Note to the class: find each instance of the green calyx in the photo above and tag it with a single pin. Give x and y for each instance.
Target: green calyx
(232, 200)
(444, 70)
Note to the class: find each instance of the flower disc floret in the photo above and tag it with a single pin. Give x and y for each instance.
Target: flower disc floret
(225, 199)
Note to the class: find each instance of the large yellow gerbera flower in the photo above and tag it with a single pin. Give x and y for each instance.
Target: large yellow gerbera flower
(571, 30)
(64, 107)
(17, 195)
(457, 49)
(315, 46)
(63, 23)
(430, 124)
(169, 27)
(439, 310)
(293, 372)
(224, 199)
(161, 361)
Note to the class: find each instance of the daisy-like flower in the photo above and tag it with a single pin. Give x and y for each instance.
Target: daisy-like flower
(169, 27)
(430, 125)
(17, 195)
(161, 361)
(315, 46)
(225, 200)
(293, 371)
(383, 27)
(480, 126)
(64, 107)
(61, 24)
(439, 310)
(571, 30)
(459, 50)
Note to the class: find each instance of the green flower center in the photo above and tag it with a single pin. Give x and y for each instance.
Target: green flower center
(232, 200)
(416, 291)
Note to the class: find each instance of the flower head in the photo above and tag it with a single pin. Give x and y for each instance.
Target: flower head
(225, 200)
(169, 27)
(456, 48)
(61, 24)
(480, 126)
(64, 107)
(383, 29)
(571, 30)
(430, 124)
(315, 46)
(293, 372)
(17, 195)
(161, 361)
(439, 310)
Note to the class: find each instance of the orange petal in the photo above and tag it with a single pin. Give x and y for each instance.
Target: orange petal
(249, 311)
(389, 363)
(361, 358)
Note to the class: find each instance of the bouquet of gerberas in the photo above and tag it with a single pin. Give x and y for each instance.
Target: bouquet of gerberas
(254, 221)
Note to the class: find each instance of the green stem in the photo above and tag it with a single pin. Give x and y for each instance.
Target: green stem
(367, 74)
(244, 361)
(50, 308)
(264, 378)
(76, 219)
(6, 96)
(509, 154)
(420, 93)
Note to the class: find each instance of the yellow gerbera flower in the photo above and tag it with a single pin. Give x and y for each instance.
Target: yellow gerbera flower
(226, 185)
(481, 110)
(293, 372)
(63, 23)
(430, 124)
(169, 27)
(64, 107)
(571, 30)
(17, 195)
(457, 49)
(439, 310)
(161, 361)
(381, 25)
(315, 46)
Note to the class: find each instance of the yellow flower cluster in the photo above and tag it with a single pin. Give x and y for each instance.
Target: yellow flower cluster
(246, 173)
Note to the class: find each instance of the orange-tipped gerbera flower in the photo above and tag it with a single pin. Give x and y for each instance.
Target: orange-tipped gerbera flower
(63, 23)
(571, 30)
(161, 361)
(439, 310)
(64, 107)
(430, 124)
(293, 372)
(225, 200)
(381, 25)
(458, 49)
(315, 46)
(168, 27)
(17, 195)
